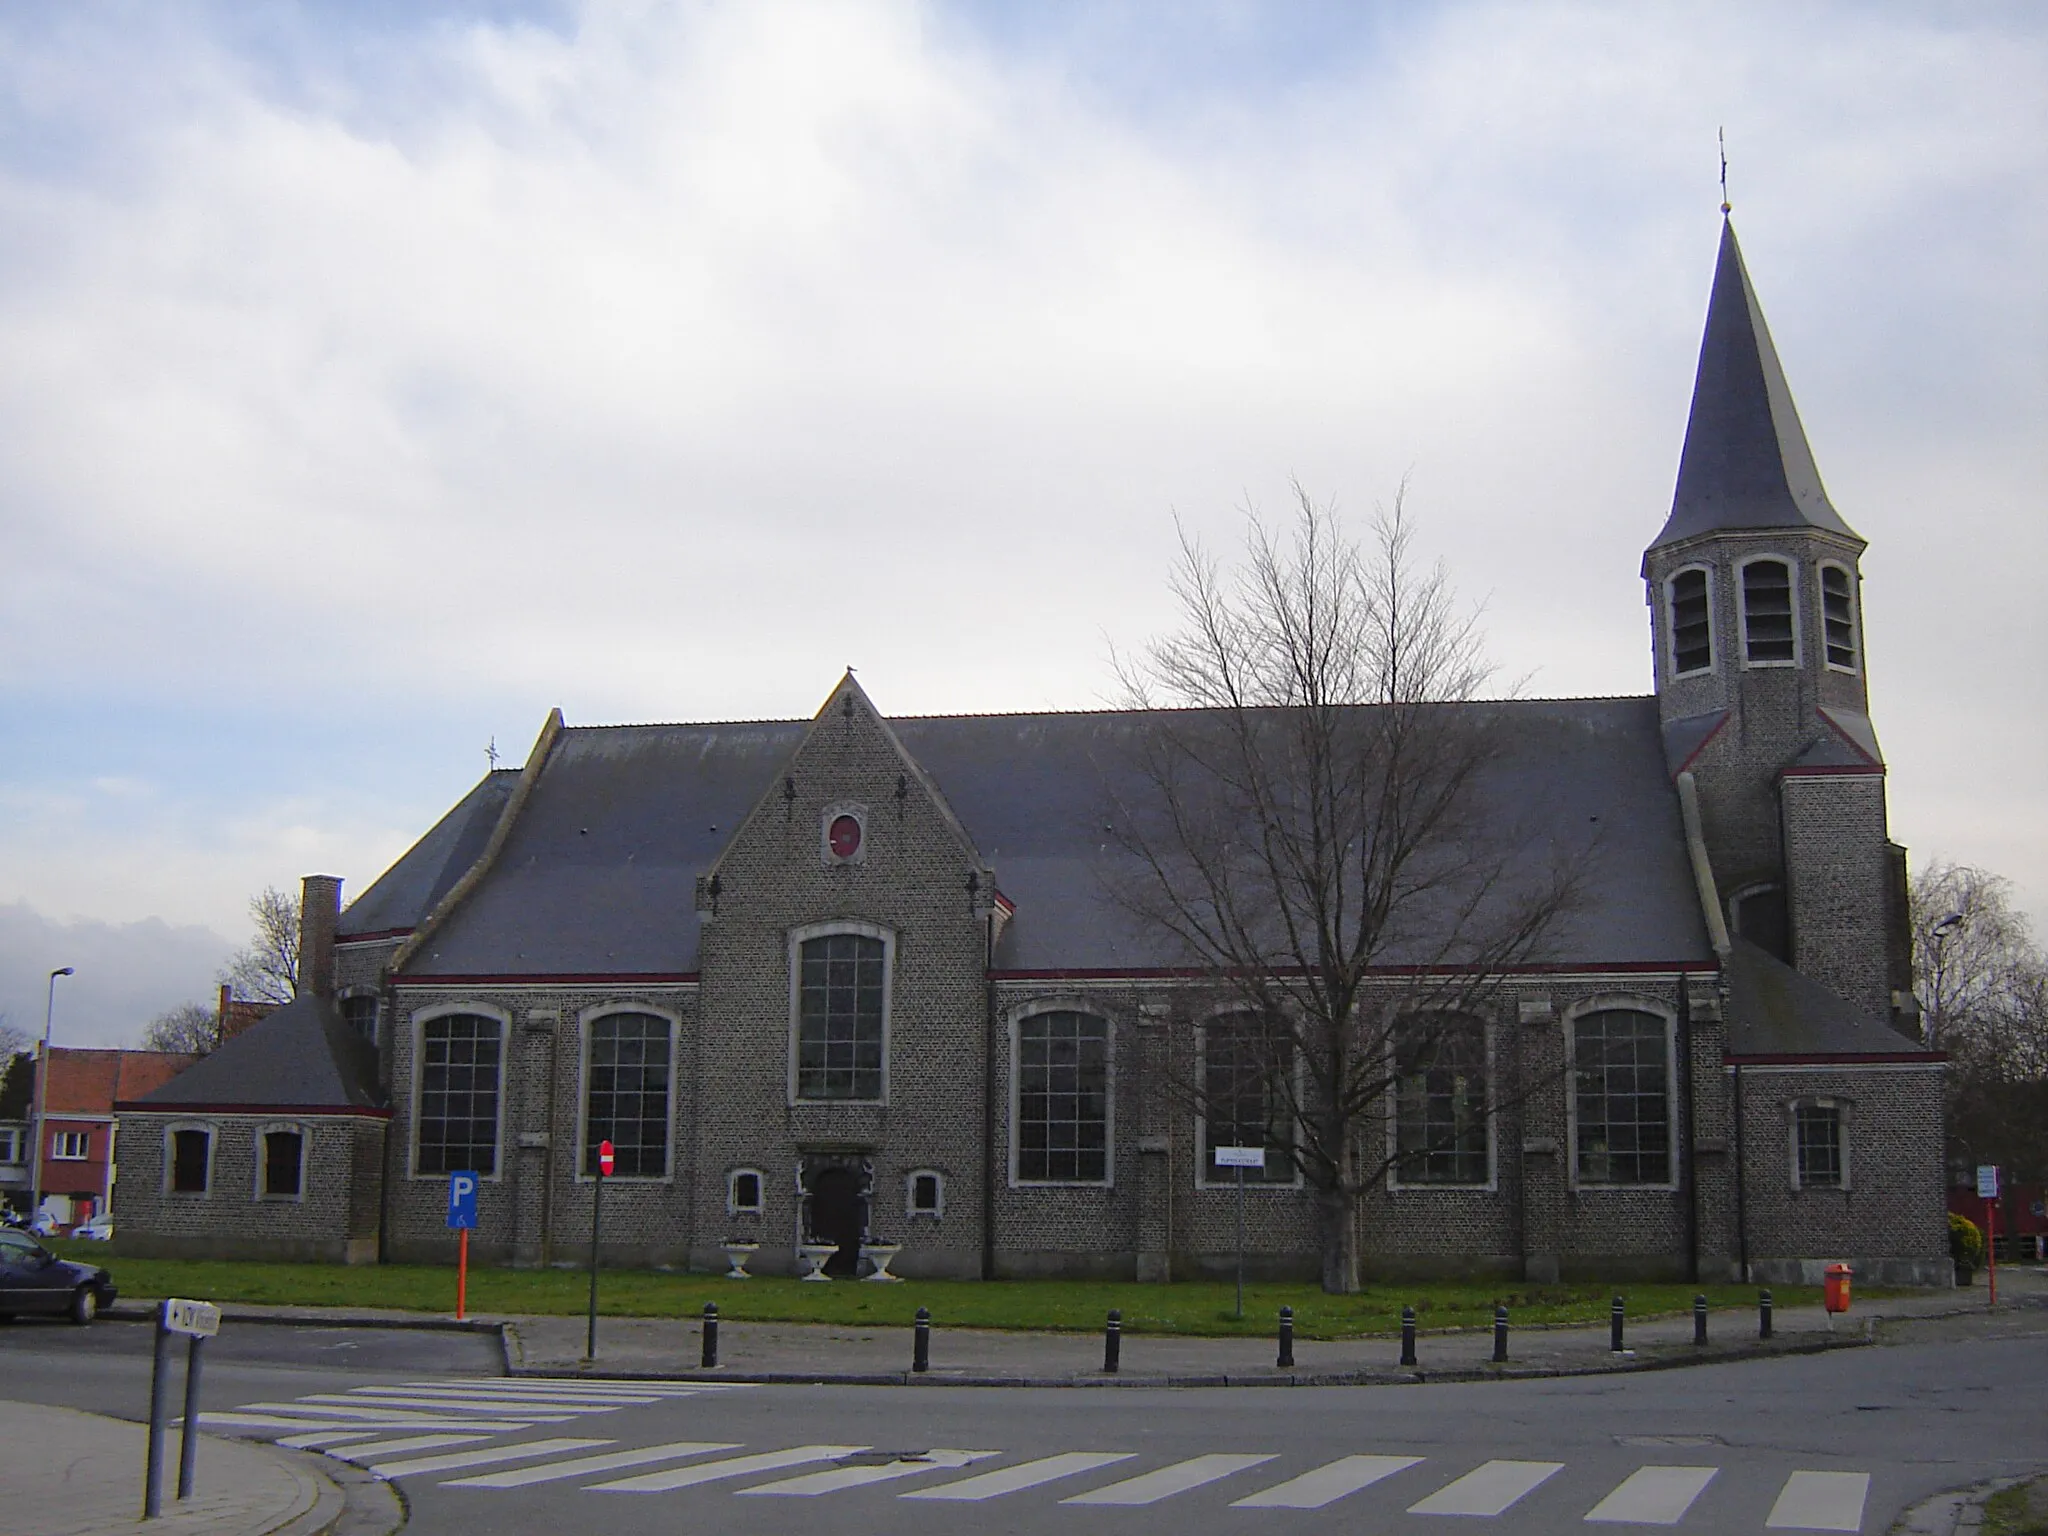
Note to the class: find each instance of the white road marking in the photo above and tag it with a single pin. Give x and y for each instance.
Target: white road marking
(590, 1400)
(1654, 1495)
(1030, 1474)
(323, 1438)
(1487, 1490)
(812, 1484)
(585, 1466)
(314, 1421)
(409, 1402)
(1151, 1487)
(361, 1453)
(736, 1466)
(417, 1465)
(375, 1415)
(1326, 1485)
(1821, 1501)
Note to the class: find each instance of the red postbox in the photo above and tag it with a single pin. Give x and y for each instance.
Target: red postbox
(1835, 1288)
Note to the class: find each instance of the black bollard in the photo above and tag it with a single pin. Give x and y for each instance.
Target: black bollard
(710, 1356)
(188, 1438)
(1500, 1335)
(1286, 1360)
(1614, 1323)
(1407, 1335)
(1763, 1314)
(921, 1346)
(1699, 1320)
(1113, 1342)
(159, 1413)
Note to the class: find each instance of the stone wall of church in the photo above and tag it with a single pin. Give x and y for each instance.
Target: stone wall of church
(1888, 1219)
(332, 1220)
(1836, 874)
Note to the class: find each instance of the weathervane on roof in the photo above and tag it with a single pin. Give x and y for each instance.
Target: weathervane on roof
(1721, 134)
(491, 752)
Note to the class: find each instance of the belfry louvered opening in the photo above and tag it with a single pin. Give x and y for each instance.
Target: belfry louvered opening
(1838, 616)
(1692, 631)
(1767, 611)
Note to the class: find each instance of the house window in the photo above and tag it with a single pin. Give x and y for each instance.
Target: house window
(459, 1070)
(840, 986)
(70, 1146)
(360, 1014)
(191, 1161)
(743, 1192)
(1817, 1144)
(924, 1193)
(1621, 1062)
(1767, 611)
(1247, 1097)
(1838, 616)
(1440, 1126)
(10, 1144)
(626, 1100)
(1692, 630)
(1062, 1098)
(283, 1163)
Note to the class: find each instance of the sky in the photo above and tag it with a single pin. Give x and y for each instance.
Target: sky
(375, 377)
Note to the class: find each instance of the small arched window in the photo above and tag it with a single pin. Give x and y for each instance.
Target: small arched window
(188, 1170)
(1692, 626)
(924, 1193)
(1767, 629)
(743, 1192)
(281, 1162)
(1838, 615)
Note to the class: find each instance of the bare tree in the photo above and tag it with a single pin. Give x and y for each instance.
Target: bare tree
(266, 969)
(190, 1028)
(14, 1040)
(1313, 834)
(1984, 988)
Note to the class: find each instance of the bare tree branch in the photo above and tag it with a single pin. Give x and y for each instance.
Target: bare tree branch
(266, 969)
(191, 1029)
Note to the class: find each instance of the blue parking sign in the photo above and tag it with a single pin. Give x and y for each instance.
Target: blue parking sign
(462, 1200)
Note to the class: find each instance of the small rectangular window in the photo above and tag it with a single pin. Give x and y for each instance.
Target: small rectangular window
(1819, 1128)
(1838, 616)
(10, 1145)
(190, 1155)
(1767, 610)
(926, 1194)
(744, 1193)
(71, 1146)
(360, 1014)
(1692, 635)
(283, 1158)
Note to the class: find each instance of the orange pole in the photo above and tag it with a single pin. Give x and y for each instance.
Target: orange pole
(461, 1274)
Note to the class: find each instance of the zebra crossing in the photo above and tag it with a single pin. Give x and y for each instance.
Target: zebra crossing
(458, 1434)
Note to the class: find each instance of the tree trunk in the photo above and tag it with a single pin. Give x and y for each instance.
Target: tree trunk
(1339, 1212)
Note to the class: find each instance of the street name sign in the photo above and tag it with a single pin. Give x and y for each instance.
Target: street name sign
(199, 1319)
(462, 1200)
(1241, 1157)
(1987, 1181)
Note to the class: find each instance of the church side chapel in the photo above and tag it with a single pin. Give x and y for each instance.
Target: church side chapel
(857, 992)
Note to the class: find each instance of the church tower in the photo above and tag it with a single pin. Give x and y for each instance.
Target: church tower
(1757, 622)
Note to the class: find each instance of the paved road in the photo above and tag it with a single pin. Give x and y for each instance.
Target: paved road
(1837, 1442)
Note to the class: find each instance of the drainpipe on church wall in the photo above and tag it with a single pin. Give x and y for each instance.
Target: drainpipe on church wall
(1689, 1140)
(988, 1098)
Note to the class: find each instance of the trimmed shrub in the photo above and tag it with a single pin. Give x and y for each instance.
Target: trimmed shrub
(1965, 1241)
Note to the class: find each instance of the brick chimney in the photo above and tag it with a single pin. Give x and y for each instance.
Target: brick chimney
(319, 915)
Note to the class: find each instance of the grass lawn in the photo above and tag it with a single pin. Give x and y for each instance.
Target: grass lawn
(1191, 1307)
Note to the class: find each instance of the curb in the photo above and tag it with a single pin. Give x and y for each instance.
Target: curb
(122, 1312)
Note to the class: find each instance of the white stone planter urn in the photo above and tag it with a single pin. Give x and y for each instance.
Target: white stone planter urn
(737, 1254)
(880, 1255)
(815, 1255)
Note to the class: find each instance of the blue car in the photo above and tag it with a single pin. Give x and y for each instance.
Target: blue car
(33, 1279)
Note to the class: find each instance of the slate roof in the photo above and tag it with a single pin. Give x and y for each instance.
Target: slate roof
(598, 875)
(412, 886)
(1774, 1011)
(303, 1057)
(1746, 462)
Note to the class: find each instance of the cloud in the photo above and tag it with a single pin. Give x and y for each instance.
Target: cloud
(389, 381)
(126, 974)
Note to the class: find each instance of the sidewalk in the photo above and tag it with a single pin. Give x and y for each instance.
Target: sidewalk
(80, 1474)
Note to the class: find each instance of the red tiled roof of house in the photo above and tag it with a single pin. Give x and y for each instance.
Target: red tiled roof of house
(87, 1082)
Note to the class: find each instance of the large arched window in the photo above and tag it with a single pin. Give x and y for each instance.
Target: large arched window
(1621, 1100)
(1062, 1098)
(1768, 634)
(1692, 622)
(1441, 1134)
(841, 1016)
(1249, 1089)
(626, 1094)
(461, 1059)
(1838, 615)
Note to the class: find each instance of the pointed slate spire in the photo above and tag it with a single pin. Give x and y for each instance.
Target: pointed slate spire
(1746, 463)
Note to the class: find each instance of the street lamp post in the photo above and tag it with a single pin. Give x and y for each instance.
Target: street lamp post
(1941, 934)
(35, 1184)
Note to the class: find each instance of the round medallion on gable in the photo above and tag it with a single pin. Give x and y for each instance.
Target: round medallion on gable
(843, 837)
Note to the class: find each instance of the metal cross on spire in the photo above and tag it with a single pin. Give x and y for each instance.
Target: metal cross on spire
(491, 754)
(1721, 135)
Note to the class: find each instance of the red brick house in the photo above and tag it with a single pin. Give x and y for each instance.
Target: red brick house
(77, 1133)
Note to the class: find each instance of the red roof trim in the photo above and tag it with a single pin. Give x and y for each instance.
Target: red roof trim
(1845, 1059)
(1167, 973)
(343, 940)
(139, 1107)
(564, 978)
(1840, 771)
(1693, 756)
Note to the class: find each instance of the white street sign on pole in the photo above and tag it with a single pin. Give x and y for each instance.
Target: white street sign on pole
(1241, 1157)
(200, 1319)
(1987, 1181)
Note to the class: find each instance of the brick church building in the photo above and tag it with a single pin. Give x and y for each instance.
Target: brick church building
(859, 980)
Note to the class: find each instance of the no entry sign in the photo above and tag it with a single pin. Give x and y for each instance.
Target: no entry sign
(604, 1158)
